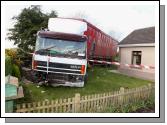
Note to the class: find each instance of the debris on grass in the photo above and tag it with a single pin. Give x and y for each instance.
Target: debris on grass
(40, 83)
(114, 71)
(42, 91)
(38, 86)
(110, 70)
(26, 81)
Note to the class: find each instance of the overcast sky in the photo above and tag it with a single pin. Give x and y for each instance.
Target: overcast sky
(117, 19)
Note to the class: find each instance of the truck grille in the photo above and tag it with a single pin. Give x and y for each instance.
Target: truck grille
(41, 63)
(65, 71)
(65, 66)
(42, 68)
(62, 68)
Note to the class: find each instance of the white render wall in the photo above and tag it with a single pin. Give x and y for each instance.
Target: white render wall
(147, 57)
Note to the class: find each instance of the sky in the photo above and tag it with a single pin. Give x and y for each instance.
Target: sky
(115, 20)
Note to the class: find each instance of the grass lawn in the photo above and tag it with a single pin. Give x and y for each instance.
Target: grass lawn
(100, 80)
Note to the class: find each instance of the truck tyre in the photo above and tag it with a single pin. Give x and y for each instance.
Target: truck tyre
(85, 78)
(34, 76)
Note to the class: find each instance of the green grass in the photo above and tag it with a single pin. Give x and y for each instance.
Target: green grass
(100, 80)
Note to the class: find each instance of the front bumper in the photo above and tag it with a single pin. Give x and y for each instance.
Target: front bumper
(71, 84)
(61, 79)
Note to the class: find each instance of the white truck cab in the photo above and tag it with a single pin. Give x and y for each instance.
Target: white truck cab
(60, 56)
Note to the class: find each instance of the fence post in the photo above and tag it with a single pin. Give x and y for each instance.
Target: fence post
(121, 98)
(18, 108)
(77, 102)
(150, 90)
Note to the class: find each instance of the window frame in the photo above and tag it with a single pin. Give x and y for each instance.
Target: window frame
(138, 53)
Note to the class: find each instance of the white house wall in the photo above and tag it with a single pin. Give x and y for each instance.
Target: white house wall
(147, 58)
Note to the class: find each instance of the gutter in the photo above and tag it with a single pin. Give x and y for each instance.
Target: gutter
(137, 45)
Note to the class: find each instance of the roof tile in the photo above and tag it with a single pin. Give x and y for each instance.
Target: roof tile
(140, 36)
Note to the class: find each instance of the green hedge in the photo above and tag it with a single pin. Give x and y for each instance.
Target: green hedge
(8, 65)
(16, 71)
(10, 68)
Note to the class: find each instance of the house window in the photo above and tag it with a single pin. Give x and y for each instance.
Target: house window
(136, 57)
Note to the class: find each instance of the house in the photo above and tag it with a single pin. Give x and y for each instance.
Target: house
(138, 48)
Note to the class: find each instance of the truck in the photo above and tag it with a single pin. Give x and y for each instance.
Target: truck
(63, 50)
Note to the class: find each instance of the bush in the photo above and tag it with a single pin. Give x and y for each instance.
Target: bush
(8, 65)
(15, 57)
(16, 71)
(116, 58)
(12, 63)
(11, 69)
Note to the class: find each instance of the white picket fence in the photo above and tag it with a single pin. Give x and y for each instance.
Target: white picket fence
(89, 103)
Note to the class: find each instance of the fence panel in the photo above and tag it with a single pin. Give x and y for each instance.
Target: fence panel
(88, 103)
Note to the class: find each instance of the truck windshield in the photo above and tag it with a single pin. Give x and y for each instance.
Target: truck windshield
(57, 47)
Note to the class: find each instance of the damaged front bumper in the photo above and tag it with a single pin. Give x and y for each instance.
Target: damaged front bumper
(57, 79)
(66, 80)
(70, 84)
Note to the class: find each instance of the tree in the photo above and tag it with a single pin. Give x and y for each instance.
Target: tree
(28, 22)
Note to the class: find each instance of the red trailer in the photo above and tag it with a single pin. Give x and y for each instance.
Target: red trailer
(100, 45)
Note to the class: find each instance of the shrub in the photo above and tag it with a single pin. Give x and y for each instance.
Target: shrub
(11, 52)
(12, 63)
(15, 57)
(116, 57)
(8, 65)
(16, 71)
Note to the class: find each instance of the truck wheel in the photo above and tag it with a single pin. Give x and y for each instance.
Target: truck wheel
(85, 78)
(34, 77)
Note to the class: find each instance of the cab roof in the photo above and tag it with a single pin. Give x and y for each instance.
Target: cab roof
(64, 36)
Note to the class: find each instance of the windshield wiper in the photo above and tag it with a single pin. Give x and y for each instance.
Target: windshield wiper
(73, 50)
(45, 48)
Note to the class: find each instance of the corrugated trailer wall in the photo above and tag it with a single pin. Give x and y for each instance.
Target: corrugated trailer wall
(105, 46)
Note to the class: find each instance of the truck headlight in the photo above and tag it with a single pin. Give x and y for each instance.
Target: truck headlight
(82, 69)
(34, 64)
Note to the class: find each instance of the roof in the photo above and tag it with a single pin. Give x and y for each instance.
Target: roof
(140, 36)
